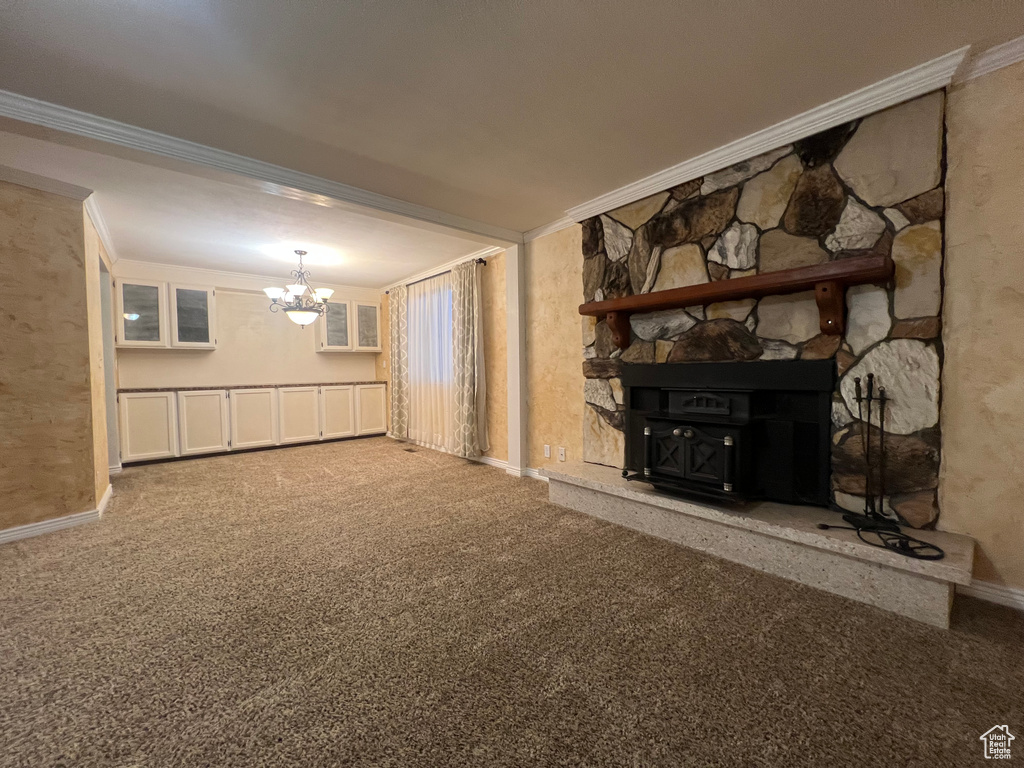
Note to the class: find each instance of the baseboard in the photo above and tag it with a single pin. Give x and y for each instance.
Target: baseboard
(994, 593)
(49, 526)
(515, 472)
(114, 470)
(102, 506)
(492, 462)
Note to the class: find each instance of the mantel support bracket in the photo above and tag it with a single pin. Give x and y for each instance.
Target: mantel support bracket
(618, 324)
(831, 299)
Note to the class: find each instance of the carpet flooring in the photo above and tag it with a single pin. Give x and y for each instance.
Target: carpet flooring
(356, 604)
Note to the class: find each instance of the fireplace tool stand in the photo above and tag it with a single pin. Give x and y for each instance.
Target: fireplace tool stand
(873, 526)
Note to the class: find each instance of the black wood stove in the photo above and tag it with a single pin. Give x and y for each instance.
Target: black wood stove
(732, 431)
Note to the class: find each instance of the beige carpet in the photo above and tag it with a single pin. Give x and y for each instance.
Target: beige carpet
(354, 604)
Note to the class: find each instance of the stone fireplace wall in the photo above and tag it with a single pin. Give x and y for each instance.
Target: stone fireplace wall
(871, 186)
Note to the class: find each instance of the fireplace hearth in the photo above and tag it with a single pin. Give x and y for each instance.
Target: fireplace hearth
(731, 431)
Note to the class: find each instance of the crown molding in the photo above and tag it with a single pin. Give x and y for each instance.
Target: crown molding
(92, 207)
(481, 254)
(127, 269)
(60, 118)
(995, 58)
(555, 226)
(900, 87)
(43, 183)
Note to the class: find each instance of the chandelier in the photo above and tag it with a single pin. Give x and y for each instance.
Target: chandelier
(299, 300)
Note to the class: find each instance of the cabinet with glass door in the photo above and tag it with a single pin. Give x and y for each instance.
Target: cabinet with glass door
(335, 328)
(141, 314)
(367, 321)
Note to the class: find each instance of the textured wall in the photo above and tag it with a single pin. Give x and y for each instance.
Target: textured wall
(869, 187)
(46, 462)
(982, 483)
(254, 346)
(97, 365)
(554, 381)
(492, 288)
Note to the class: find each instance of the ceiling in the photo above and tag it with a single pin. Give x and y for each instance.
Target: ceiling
(172, 213)
(508, 113)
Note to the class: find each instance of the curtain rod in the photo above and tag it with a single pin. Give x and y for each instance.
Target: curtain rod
(447, 271)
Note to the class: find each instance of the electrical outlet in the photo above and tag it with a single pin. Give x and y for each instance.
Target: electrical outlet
(561, 454)
(547, 451)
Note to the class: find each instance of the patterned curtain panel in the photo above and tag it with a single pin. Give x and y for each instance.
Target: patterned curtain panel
(398, 311)
(469, 438)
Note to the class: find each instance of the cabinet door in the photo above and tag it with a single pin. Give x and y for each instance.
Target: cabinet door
(337, 411)
(149, 425)
(367, 327)
(141, 314)
(371, 409)
(253, 417)
(193, 316)
(299, 408)
(203, 421)
(336, 328)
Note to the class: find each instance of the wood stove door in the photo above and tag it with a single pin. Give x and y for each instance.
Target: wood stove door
(684, 452)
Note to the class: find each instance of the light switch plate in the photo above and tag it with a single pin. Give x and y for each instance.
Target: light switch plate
(561, 454)
(547, 451)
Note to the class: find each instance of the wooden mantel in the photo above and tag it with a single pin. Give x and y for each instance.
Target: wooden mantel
(829, 282)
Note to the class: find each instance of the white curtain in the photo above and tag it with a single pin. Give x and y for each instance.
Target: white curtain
(430, 362)
(441, 343)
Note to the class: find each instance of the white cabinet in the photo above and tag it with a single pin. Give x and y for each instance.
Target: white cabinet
(155, 315)
(160, 425)
(193, 316)
(203, 424)
(337, 411)
(141, 314)
(149, 425)
(335, 328)
(367, 322)
(299, 409)
(253, 417)
(349, 326)
(371, 409)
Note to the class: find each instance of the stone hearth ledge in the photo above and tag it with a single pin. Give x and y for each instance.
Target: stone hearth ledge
(780, 539)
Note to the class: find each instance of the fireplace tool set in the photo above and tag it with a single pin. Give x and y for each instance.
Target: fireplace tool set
(873, 526)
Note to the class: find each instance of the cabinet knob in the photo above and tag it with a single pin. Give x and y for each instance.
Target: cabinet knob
(680, 432)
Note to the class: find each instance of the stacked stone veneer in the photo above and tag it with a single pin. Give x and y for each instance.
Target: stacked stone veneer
(871, 186)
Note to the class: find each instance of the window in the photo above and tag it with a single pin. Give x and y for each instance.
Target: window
(430, 361)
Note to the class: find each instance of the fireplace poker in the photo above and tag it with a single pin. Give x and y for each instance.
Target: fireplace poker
(869, 485)
(881, 450)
